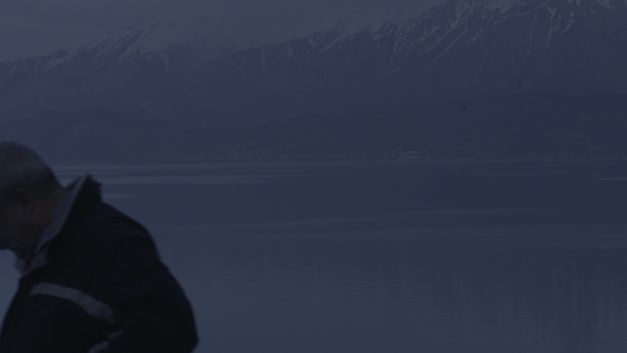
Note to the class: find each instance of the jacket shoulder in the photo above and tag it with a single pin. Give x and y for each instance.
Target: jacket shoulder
(103, 231)
(107, 224)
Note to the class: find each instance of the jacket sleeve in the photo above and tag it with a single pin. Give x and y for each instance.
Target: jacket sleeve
(150, 310)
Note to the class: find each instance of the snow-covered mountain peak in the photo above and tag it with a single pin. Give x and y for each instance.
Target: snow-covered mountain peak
(159, 36)
(616, 5)
(372, 21)
(498, 6)
(155, 38)
(464, 8)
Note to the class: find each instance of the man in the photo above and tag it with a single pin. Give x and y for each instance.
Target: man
(91, 278)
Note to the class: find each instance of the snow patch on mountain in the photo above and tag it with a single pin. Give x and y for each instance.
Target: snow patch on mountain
(144, 41)
(372, 23)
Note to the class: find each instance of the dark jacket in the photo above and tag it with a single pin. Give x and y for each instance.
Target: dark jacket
(102, 289)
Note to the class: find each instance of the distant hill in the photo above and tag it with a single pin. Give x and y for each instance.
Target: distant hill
(467, 78)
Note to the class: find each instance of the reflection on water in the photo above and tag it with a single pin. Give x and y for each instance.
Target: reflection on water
(388, 257)
(377, 294)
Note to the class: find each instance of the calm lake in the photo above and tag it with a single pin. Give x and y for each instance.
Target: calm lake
(386, 257)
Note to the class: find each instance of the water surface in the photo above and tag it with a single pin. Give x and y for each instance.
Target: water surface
(387, 257)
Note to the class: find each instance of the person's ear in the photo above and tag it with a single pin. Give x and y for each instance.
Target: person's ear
(24, 199)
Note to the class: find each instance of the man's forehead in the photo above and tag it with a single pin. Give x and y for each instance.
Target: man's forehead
(21, 170)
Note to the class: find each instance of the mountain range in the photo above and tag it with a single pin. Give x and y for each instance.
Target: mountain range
(464, 79)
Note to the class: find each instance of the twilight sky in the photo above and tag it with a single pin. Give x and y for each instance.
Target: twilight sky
(30, 27)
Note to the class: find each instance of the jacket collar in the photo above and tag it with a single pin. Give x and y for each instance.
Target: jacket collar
(81, 192)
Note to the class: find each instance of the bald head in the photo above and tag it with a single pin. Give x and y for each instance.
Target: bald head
(21, 167)
(29, 193)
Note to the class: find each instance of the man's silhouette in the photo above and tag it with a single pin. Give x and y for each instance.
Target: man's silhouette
(91, 278)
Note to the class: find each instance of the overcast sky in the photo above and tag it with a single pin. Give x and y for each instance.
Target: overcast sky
(30, 27)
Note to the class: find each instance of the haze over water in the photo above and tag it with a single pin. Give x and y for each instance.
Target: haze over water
(386, 257)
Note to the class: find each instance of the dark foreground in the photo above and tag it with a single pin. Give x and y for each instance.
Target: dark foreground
(389, 257)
